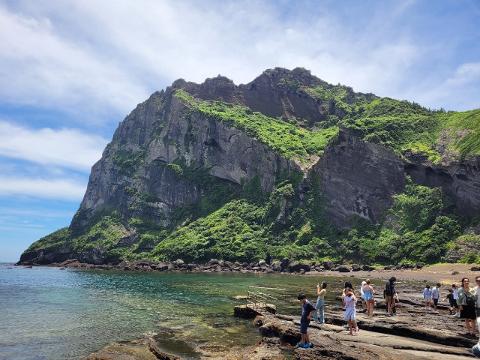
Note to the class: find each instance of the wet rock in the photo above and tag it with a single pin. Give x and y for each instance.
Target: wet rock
(142, 349)
(475, 268)
(250, 311)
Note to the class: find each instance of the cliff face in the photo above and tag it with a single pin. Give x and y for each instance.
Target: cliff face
(161, 138)
(460, 181)
(284, 142)
(358, 180)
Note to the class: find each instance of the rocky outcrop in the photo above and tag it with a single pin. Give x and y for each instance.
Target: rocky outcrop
(143, 159)
(460, 181)
(357, 180)
(276, 92)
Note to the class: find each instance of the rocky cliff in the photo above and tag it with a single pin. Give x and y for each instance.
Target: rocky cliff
(287, 165)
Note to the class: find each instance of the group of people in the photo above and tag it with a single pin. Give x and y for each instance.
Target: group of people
(464, 302)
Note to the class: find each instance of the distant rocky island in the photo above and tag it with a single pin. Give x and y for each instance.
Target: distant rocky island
(285, 167)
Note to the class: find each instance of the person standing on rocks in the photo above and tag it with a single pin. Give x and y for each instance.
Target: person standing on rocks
(390, 294)
(452, 302)
(477, 300)
(320, 313)
(368, 292)
(350, 311)
(466, 301)
(436, 295)
(427, 297)
(455, 298)
(307, 310)
(362, 295)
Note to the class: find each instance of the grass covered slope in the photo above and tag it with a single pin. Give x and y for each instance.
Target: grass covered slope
(408, 127)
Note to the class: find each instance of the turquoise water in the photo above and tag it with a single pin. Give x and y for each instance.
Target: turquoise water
(48, 313)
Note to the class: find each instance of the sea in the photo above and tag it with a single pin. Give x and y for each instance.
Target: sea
(52, 313)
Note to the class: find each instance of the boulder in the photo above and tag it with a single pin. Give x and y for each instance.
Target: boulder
(342, 269)
(284, 264)
(276, 266)
(179, 262)
(328, 265)
(213, 262)
(367, 268)
(356, 267)
(298, 267)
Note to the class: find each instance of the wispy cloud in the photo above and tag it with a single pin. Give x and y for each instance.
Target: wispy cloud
(68, 148)
(61, 189)
(463, 83)
(108, 55)
(39, 67)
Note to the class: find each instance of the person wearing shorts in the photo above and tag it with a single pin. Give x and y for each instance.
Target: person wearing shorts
(307, 310)
(368, 292)
(390, 293)
(427, 297)
(350, 311)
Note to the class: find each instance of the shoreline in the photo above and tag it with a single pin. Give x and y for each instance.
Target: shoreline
(445, 273)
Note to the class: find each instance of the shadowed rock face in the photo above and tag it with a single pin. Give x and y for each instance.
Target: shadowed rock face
(459, 181)
(358, 179)
(276, 92)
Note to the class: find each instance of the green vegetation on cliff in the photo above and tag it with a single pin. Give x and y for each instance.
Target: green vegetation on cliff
(289, 140)
(408, 127)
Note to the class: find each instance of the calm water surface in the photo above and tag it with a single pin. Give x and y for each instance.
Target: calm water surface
(48, 313)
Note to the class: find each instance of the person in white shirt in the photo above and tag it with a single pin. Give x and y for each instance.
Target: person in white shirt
(455, 300)
(427, 297)
(436, 295)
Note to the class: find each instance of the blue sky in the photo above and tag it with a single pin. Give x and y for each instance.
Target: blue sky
(71, 70)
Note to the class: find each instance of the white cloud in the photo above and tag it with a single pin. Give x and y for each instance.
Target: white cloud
(94, 57)
(110, 54)
(463, 85)
(39, 67)
(68, 148)
(59, 189)
(465, 73)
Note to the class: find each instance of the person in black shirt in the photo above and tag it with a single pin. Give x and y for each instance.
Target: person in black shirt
(390, 293)
(307, 310)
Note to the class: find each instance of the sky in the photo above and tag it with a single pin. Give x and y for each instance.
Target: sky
(70, 71)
